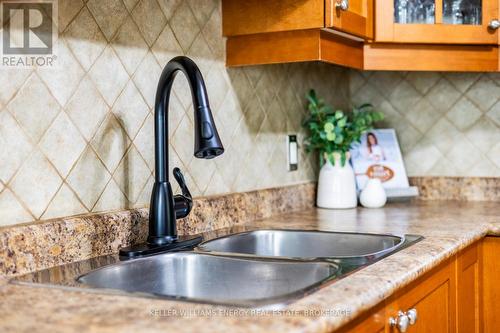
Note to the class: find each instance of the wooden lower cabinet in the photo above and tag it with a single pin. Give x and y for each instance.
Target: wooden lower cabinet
(434, 299)
(490, 288)
(446, 299)
(468, 290)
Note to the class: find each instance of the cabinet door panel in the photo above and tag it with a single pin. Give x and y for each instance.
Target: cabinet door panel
(433, 312)
(468, 306)
(433, 296)
(357, 19)
(491, 285)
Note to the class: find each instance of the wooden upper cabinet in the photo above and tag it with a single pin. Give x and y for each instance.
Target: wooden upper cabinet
(247, 17)
(283, 31)
(354, 17)
(397, 35)
(436, 21)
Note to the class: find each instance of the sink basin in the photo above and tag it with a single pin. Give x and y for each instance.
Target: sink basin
(305, 244)
(211, 278)
(264, 268)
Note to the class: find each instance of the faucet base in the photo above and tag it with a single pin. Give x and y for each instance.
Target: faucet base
(182, 243)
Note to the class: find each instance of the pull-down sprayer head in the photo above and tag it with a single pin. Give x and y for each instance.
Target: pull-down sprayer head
(207, 143)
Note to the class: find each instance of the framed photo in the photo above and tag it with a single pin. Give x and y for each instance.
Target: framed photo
(379, 156)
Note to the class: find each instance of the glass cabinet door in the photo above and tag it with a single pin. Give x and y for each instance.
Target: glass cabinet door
(424, 12)
(437, 21)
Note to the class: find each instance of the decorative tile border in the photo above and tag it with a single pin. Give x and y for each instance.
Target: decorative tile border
(38, 245)
(458, 188)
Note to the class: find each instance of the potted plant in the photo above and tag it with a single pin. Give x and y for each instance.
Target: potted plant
(332, 133)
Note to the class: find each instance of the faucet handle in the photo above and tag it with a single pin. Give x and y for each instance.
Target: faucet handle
(182, 182)
(182, 202)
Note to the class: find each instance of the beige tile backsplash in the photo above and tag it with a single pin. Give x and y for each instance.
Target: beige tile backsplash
(448, 124)
(79, 137)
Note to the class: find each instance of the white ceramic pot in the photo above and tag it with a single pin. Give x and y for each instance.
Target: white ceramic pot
(336, 186)
(373, 195)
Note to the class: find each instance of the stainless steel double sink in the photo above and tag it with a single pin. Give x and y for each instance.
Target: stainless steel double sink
(252, 268)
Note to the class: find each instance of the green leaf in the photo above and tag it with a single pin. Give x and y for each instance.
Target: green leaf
(331, 158)
(311, 97)
(362, 107)
(339, 139)
(342, 122)
(328, 127)
(339, 114)
(326, 109)
(378, 116)
(343, 158)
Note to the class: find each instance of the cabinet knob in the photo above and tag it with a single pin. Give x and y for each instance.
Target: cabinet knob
(401, 322)
(494, 24)
(412, 316)
(342, 5)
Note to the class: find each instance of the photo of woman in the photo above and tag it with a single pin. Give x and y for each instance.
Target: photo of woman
(374, 151)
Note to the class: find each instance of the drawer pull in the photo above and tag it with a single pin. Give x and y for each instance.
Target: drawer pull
(342, 5)
(401, 322)
(412, 316)
(494, 24)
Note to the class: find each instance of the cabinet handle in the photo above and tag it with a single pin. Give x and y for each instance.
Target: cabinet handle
(401, 322)
(494, 24)
(342, 5)
(412, 316)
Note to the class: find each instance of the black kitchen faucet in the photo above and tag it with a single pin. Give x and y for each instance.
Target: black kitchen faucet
(166, 208)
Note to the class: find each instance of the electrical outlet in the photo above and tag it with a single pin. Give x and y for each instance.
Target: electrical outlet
(292, 152)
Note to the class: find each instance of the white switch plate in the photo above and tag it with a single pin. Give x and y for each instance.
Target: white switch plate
(292, 152)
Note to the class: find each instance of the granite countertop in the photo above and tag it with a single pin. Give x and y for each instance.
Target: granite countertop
(447, 227)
